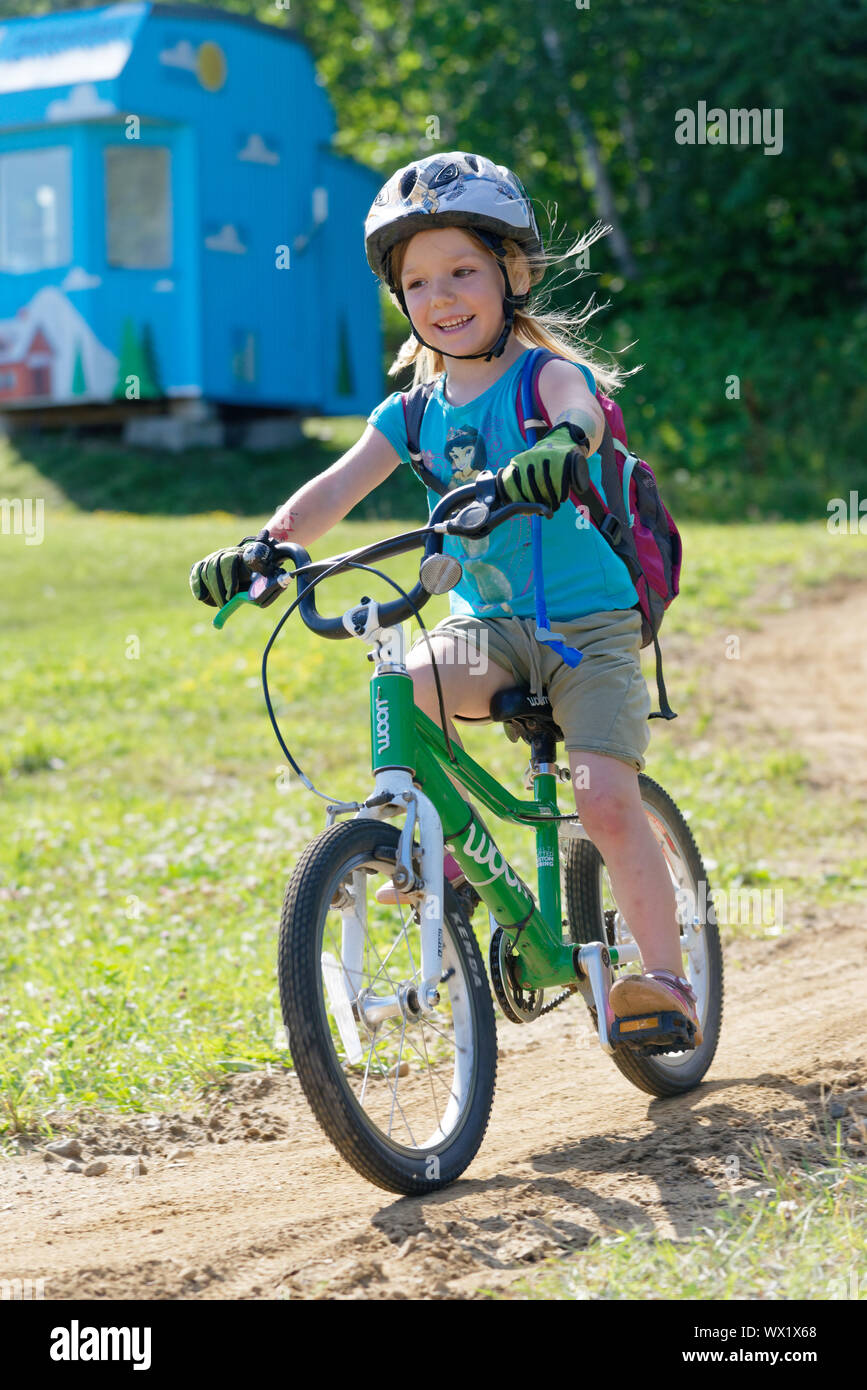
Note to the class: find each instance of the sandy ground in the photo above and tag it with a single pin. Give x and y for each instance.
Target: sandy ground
(244, 1198)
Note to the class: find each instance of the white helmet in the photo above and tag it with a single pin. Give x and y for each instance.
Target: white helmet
(447, 190)
(452, 190)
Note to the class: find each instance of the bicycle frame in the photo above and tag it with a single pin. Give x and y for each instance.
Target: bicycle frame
(404, 740)
(409, 759)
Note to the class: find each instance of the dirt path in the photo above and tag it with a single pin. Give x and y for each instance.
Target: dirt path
(256, 1202)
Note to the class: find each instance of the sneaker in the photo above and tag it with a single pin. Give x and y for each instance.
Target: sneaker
(655, 992)
(387, 893)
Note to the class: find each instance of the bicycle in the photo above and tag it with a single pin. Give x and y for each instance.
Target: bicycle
(389, 1017)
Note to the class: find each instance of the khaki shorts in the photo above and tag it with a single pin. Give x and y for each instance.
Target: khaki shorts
(603, 703)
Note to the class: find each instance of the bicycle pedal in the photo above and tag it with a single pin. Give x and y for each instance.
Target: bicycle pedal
(651, 1034)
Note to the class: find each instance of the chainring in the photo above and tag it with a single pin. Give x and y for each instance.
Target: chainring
(518, 1005)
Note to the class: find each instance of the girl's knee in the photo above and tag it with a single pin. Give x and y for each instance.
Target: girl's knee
(606, 795)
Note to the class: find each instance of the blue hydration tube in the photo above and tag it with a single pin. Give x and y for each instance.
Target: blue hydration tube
(555, 640)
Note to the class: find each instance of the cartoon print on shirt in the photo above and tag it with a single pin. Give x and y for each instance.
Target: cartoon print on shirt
(466, 455)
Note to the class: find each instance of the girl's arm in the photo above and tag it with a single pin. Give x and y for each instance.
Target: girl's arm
(564, 393)
(327, 498)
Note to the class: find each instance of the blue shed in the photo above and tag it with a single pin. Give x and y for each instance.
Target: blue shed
(173, 221)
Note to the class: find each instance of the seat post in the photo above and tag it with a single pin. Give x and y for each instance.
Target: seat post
(543, 747)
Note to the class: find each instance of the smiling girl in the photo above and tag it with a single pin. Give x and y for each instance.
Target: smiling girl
(455, 240)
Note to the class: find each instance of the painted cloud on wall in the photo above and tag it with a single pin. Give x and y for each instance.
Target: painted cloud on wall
(183, 55)
(226, 239)
(78, 279)
(82, 103)
(256, 152)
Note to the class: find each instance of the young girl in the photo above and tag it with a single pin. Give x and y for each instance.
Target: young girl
(455, 240)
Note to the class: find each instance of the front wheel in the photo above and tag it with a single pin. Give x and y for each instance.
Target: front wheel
(403, 1095)
(593, 916)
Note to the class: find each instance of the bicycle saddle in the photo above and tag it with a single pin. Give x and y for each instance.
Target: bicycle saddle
(524, 715)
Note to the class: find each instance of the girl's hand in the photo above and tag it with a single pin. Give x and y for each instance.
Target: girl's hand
(544, 473)
(221, 575)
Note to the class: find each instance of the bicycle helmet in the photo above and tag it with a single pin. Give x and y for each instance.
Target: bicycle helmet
(452, 190)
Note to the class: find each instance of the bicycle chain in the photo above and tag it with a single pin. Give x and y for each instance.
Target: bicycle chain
(555, 1003)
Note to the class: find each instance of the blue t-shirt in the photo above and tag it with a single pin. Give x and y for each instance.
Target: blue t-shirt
(582, 574)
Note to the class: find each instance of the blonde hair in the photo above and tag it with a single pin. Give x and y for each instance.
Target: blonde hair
(560, 330)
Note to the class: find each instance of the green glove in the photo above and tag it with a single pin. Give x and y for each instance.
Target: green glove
(545, 472)
(221, 576)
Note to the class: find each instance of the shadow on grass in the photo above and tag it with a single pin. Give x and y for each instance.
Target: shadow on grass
(97, 471)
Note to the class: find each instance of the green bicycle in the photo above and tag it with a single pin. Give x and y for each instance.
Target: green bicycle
(387, 1007)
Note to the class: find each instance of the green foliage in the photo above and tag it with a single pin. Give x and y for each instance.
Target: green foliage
(705, 222)
(789, 441)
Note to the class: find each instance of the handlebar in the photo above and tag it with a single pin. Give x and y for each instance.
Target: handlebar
(480, 515)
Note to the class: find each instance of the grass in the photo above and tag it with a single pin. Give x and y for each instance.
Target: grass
(801, 1234)
(148, 826)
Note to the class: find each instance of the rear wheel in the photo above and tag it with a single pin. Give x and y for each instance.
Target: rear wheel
(593, 916)
(405, 1096)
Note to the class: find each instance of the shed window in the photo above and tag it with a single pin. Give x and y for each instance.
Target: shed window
(35, 210)
(139, 206)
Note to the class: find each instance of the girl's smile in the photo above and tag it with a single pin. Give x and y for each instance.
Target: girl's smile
(455, 325)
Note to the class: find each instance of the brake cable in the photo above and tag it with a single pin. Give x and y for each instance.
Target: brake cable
(341, 565)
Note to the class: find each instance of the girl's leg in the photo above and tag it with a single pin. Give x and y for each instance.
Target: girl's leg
(467, 688)
(613, 816)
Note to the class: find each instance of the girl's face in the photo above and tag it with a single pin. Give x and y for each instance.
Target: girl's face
(453, 290)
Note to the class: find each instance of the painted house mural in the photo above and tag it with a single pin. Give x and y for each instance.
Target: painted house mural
(173, 221)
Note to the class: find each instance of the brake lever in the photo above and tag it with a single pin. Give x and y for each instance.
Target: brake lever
(482, 515)
(225, 613)
(259, 556)
(486, 491)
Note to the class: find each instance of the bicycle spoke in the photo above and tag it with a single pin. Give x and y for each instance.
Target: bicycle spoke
(399, 1102)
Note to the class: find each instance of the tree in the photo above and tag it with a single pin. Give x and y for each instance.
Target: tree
(79, 381)
(131, 369)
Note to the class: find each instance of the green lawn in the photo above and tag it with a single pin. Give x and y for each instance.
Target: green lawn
(146, 827)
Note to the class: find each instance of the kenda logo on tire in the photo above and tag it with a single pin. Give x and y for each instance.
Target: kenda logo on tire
(383, 739)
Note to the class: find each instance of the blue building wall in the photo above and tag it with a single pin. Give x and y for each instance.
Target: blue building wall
(231, 315)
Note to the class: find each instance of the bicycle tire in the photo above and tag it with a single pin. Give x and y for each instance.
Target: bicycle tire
(584, 882)
(331, 1084)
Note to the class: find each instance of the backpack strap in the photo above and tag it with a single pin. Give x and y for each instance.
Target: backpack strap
(612, 521)
(414, 404)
